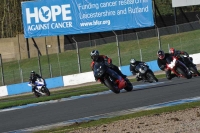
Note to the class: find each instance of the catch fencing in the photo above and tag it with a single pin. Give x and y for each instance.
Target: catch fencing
(121, 48)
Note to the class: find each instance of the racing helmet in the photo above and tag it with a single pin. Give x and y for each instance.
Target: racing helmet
(94, 54)
(32, 73)
(132, 61)
(161, 54)
(171, 50)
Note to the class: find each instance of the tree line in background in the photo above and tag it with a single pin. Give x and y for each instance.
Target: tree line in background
(11, 17)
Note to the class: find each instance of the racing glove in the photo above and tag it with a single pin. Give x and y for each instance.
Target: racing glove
(162, 67)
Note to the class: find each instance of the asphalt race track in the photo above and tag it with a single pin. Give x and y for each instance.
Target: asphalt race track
(56, 112)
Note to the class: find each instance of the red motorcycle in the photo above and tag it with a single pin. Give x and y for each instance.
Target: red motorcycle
(178, 68)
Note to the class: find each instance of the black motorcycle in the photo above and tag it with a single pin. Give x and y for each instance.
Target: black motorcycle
(188, 62)
(145, 73)
(110, 78)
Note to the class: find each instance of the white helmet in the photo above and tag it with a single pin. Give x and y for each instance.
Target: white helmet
(132, 61)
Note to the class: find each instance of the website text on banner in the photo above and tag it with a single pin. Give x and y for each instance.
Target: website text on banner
(58, 17)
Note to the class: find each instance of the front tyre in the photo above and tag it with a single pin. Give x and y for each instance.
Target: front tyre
(111, 86)
(182, 72)
(46, 91)
(194, 71)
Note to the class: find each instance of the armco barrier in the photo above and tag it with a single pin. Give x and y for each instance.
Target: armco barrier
(75, 79)
(3, 91)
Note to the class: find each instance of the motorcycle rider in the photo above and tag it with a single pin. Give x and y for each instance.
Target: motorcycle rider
(99, 58)
(162, 61)
(186, 60)
(33, 77)
(133, 64)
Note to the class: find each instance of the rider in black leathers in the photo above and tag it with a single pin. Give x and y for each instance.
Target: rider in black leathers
(33, 77)
(96, 57)
(133, 64)
(162, 61)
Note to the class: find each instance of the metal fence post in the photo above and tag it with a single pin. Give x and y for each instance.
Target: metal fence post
(78, 55)
(59, 63)
(118, 48)
(140, 54)
(21, 75)
(1, 64)
(159, 41)
(39, 64)
(47, 53)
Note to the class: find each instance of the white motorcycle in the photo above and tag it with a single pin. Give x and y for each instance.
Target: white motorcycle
(40, 88)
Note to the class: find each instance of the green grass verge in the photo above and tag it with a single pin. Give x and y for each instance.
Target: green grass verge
(65, 63)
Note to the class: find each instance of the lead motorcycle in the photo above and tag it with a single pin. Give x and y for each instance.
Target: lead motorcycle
(145, 73)
(40, 88)
(178, 68)
(110, 78)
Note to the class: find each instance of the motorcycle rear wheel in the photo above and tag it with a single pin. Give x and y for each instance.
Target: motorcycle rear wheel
(111, 86)
(151, 77)
(36, 94)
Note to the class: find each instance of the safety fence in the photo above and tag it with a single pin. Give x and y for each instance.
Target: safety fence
(121, 48)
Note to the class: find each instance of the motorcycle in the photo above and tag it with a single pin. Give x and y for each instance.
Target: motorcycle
(178, 68)
(188, 62)
(145, 73)
(110, 78)
(40, 88)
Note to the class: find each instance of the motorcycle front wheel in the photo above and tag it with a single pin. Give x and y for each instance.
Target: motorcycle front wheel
(46, 91)
(129, 86)
(182, 72)
(111, 86)
(194, 71)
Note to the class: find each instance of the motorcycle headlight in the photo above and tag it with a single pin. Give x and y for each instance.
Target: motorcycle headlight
(142, 70)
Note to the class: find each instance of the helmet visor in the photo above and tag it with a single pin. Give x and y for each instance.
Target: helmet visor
(95, 57)
(161, 56)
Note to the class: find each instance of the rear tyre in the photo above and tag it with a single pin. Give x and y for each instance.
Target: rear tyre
(129, 86)
(151, 77)
(111, 86)
(36, 94)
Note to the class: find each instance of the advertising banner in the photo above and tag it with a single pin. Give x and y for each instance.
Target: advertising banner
(67, 17)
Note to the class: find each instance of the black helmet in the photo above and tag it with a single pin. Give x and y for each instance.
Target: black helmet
(32, 73)
(161, 54)
(94, 54)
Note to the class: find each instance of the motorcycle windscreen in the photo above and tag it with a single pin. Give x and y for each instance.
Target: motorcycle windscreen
(99, 69)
